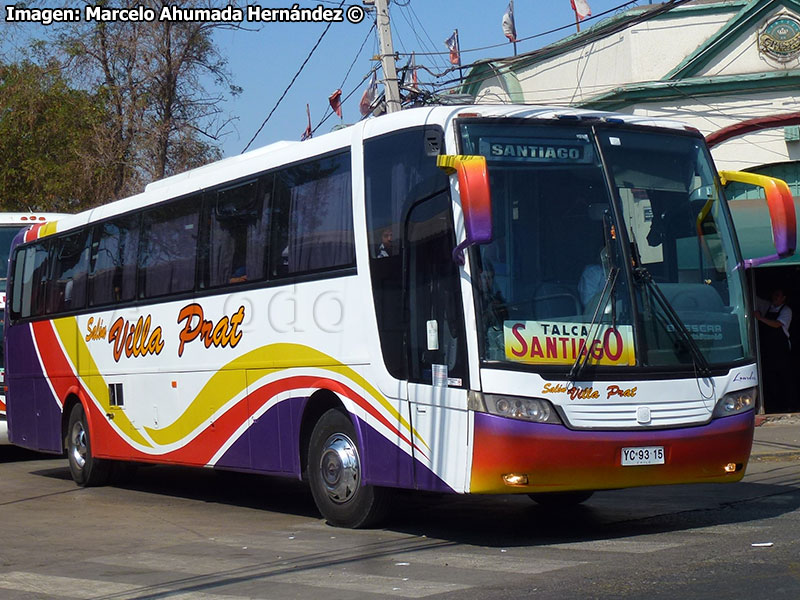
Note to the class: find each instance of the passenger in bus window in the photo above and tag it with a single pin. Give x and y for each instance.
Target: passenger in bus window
(239, 274)
(385, 247)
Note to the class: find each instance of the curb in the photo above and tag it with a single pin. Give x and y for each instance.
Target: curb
(778, 419)
(775, 456)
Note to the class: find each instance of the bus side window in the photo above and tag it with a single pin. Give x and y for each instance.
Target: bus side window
(28, 284)
(66, 287)
(237, 236)
(16, 283)
(313, 218)
(168, 249)
(113, 261)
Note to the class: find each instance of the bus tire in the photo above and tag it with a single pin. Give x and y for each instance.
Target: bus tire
(335, 472)
(561, 499)
(86, 470)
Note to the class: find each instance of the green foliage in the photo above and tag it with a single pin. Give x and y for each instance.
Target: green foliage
(102, 108)
(46, 133)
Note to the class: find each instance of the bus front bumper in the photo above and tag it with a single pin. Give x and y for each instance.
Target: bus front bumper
(512, 456)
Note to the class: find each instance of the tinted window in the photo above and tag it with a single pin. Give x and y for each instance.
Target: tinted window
(6, 237)
(113, 260)
(167, 251)
(30, 278)
(66, 289)
(400, 170)
(313, 218)
(237, 234)
(434, 295)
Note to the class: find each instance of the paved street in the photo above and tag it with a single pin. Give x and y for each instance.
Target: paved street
(179, 533)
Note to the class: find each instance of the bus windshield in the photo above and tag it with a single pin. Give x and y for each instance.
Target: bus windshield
(609, 244)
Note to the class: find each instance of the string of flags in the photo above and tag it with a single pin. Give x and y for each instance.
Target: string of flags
(580, 7)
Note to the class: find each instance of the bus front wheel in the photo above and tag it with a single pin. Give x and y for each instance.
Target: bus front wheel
(86, 470)
(335, 472)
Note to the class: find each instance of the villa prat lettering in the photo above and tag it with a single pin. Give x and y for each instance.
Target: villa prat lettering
(134, 339)
(224, 332)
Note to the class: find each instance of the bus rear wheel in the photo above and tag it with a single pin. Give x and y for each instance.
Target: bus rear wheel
(561, 499)
(335, 473)
(86, 470)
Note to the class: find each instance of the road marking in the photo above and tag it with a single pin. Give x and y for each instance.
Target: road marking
(190, 565)
(490, 559)
(624, 546)
(62, 587)
(726, 529)
(404, 587)
(86, 589)
(279, 572)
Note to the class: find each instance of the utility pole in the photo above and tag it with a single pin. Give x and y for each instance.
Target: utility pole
(391, 89)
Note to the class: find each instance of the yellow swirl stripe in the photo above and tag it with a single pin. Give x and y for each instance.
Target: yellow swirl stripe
(67, 330)
(226, 384)
(223, 385)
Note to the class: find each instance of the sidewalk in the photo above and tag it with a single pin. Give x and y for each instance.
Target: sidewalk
(777, 437)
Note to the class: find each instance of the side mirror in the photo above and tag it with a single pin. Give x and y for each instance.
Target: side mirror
(476, 199)
(781, 212)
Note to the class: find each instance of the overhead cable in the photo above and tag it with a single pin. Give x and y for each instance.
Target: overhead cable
(291, 83)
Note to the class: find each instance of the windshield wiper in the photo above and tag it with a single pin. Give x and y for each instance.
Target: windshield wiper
(607, 294)
(594, 326)
(643, 276)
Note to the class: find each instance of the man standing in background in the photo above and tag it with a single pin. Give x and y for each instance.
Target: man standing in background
(774, 318)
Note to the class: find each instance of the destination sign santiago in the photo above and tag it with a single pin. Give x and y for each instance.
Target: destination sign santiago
(536, 150)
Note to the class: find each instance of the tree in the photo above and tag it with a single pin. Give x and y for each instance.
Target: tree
(46, 134)
(162, 119)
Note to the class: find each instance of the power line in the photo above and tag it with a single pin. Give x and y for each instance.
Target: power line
(530, 37)
(291, 83)
(410, 15)
(347, 97)
(329, 111)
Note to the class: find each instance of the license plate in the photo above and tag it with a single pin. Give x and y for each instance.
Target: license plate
(643, 455)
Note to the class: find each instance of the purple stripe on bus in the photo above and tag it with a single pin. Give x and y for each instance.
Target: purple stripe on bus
(37, 429)
(271, 445)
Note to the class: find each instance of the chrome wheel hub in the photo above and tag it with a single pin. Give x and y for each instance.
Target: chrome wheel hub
(340, 468)
(77, 444)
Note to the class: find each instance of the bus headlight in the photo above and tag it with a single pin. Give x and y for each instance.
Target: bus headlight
(536, 410)
(736, 402)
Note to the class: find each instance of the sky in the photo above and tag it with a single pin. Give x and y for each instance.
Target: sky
(263, 61)
(263, 58)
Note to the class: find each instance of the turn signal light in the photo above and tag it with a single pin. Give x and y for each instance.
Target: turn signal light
(515, 479)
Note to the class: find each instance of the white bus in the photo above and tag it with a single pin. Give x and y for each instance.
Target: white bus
(482, 299)
(10, 225)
